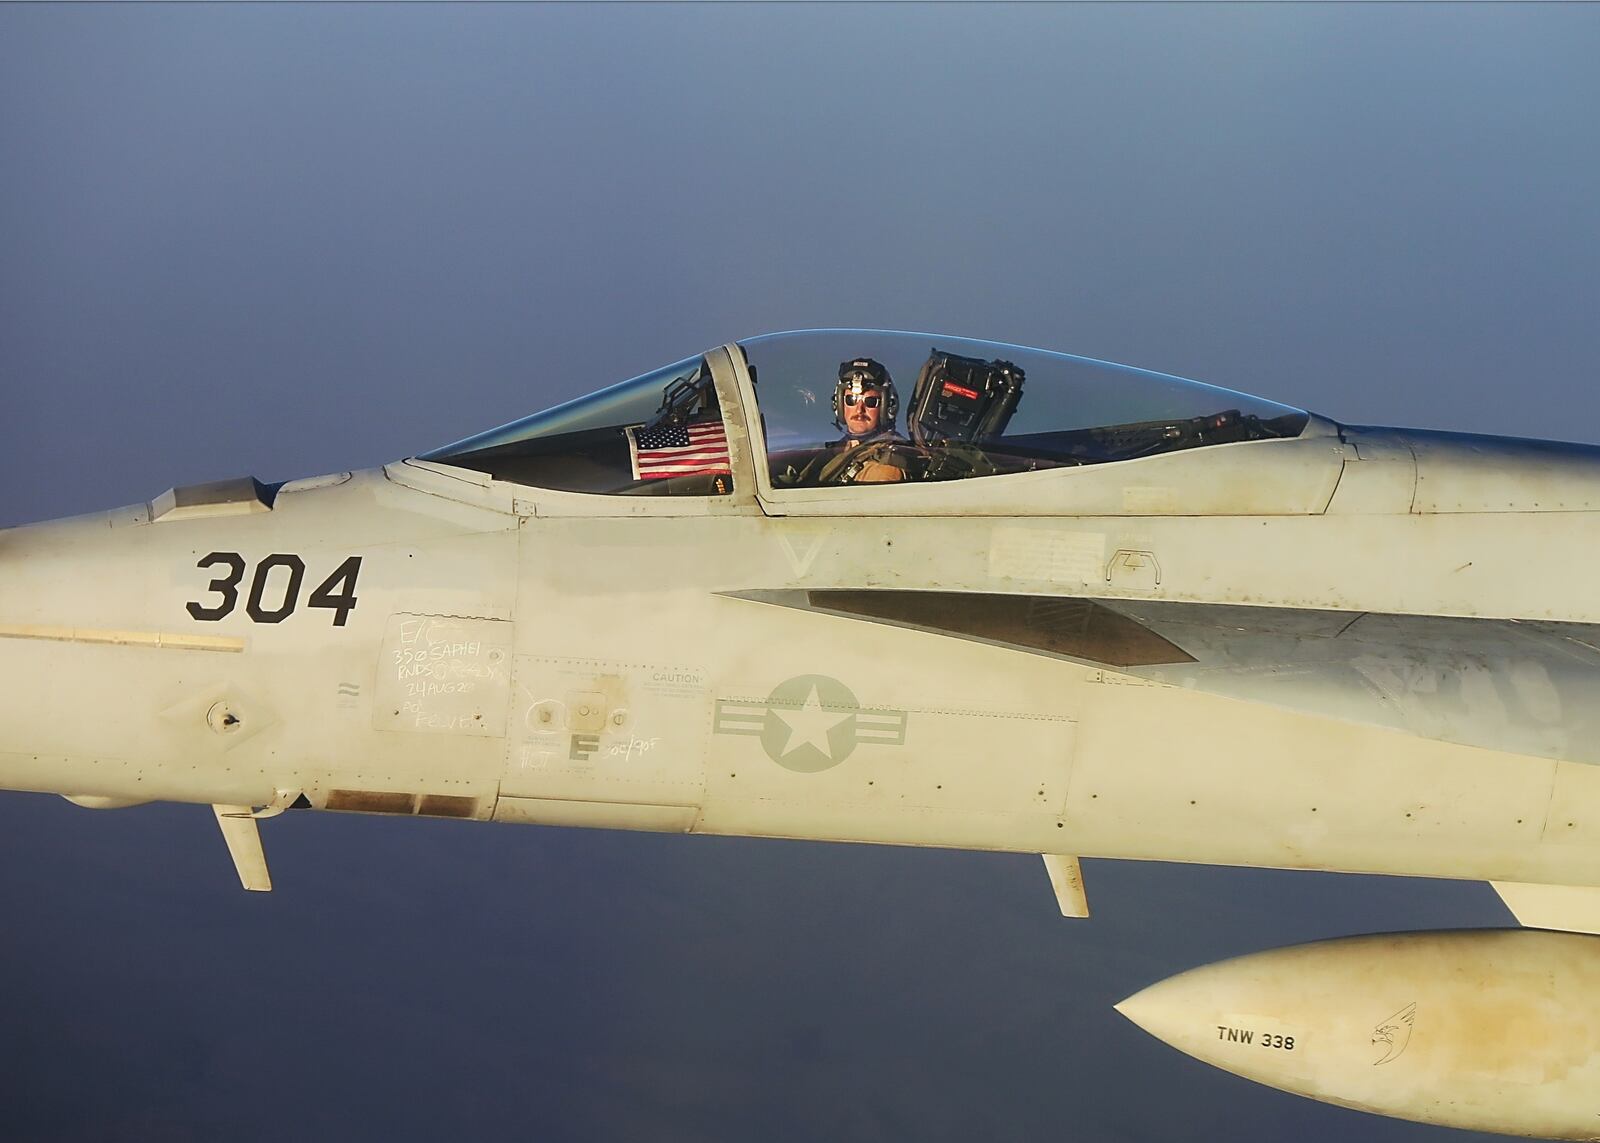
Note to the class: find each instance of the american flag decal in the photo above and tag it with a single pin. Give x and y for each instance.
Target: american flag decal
(678, 450)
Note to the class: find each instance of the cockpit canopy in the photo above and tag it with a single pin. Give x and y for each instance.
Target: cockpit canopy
(979, 408)
(943, 408)
(660, 434)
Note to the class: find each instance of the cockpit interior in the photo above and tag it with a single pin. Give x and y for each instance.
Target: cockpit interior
(942, 408)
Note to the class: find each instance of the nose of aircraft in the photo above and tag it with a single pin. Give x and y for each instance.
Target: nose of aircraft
(67, 587)
(83, 571)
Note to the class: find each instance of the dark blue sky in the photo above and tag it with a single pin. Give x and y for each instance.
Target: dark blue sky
(293, 239)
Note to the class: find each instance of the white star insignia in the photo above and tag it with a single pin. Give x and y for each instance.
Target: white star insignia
(809, 726)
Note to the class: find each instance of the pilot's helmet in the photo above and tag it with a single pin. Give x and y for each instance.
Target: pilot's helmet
(864, 379)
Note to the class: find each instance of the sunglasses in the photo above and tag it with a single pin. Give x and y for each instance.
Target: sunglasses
(870, 400)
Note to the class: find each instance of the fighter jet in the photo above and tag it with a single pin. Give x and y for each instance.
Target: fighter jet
(864, 586)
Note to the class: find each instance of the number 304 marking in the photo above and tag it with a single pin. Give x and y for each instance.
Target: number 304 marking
(273, 598)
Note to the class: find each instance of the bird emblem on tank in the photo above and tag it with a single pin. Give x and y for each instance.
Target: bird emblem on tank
(1394, 1033)
(810, 723)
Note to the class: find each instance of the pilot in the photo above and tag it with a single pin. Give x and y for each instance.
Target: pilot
(870, 452)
